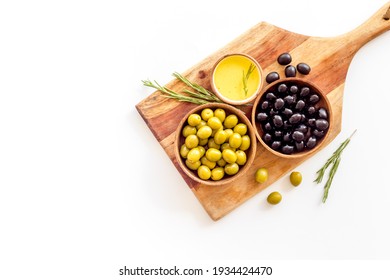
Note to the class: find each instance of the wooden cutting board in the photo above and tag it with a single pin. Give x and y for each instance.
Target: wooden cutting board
(329, 59)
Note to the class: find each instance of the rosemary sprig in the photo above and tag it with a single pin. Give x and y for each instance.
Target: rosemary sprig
(335, 160)
(245, 78)
(200, 96)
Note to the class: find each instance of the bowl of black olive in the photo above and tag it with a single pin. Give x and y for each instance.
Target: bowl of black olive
(292, 117)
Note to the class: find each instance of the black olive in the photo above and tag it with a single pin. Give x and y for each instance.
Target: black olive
(300, 146)
(287, 149)
(287, 112)
(322, 113)
(267, 138)
(279, 103)
(270, 96)
(288, 99)
(278, 134)
(290, 71)
(311, 122)
(322, 124)
(296, 118)
(304, 92)
(303, 68)
(298, 136)
(262, 117)
(311, 142)
(314, 99)
(268, 126)
(300, 105)
(303, 118)
(276, 145)
(277, 120)
(286, 125)
(264, 105)
(302, 128)
(284, 59)
(272, 77)
(272, 112)
(311, 110)
(318, 133)
(294, 89)
(282, 88)
(287, 137)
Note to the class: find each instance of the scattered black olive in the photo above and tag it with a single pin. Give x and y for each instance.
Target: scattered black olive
(272, 77)
(284, 59)
(303, 68)
(282, 88)
(290, 71)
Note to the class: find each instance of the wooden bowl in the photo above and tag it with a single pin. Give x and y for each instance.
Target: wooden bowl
(241, 101)
(251, 152)
(272, 88)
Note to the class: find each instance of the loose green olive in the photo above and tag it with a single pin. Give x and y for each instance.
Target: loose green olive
(194, 155)
(217, 173)
(202, 123)
(241, 157)
(241, 129)
(246, 143)
(209, 164)
(214, 123)
(274, 198)
(216, 130)
(191, 141)
(204, 132)
(229, 156)
(221, 162)
(220, 137)
(204, 172)
(295, 178)
(220, 114)
(211, 144)
(230, 121)
(194, 119)
(206, 114)
(188, 130)
(213, 154)
(184, 151)
(261, 175)
(193, 165)
(235, 140)
(231, 168)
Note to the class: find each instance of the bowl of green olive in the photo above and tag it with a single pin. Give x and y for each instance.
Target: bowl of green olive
(215, 144)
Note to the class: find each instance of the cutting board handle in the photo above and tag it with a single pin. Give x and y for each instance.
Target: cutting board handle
(373, 27)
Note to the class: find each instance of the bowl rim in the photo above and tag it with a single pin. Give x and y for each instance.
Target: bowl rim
(250, 155)
(237, 102)
(322, 140)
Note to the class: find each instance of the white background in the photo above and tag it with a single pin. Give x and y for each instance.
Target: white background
(86, 189)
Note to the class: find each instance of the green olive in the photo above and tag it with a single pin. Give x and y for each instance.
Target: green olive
(217, 173)
(229, 132)
(206, 114)
(261, 175)
(211, 144)
(241, 129)
(225, 146)
(220, 114)
(274, 198)
(295, 178)
(235, 140)
(184, 151)
(204, 132)
(229, 156)
(231, 168)
(220, 137)
(202, 123)
(194, 155)
(221, 162)
(213, 154)
(246, 143)
(241, 157)
(215, 131)
(230, 121)
(188, 130)
(209, 164)
(193, 165)
(194, 119)
(191, 141)
(204, 172)
(214, 123)
(202, 150)
(203, 142)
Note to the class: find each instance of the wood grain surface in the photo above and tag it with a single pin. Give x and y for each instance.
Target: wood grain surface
(329, 59)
